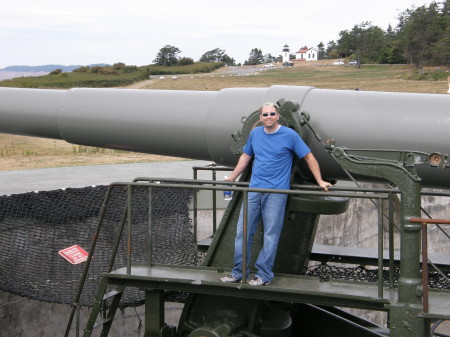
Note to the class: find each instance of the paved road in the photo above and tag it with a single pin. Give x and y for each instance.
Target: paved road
(13, 182)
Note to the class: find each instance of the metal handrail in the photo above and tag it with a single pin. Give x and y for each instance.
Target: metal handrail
(155, 182)
(376, 193)
(243, 187)
(424, 223)
(293, 186)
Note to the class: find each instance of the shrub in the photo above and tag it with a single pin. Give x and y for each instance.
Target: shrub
(96, 69)
(118, 66)
(56, 72)
(185, 61)
(105, 77)
(200, 67)
(436, 74)
(130, 69)
(82, 70)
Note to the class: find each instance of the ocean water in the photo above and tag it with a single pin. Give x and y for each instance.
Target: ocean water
(6, 75)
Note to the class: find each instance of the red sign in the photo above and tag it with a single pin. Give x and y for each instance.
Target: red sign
(74, 254)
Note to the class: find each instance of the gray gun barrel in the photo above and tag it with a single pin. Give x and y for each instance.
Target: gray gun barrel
(199, 124)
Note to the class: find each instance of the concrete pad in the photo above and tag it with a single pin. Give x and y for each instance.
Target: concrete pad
(14, 182)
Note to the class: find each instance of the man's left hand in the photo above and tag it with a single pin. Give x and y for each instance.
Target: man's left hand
(324, 184)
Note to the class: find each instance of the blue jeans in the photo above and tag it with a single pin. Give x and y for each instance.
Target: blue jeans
(270, 207)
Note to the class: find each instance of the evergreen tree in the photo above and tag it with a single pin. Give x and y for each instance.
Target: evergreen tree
(331, 51)
(422, 37)
(424, 34)
(167, 56)
(217, 55)
(255, 57)
(364, 41)
(320, 51)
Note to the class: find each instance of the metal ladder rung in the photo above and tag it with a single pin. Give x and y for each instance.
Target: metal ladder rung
(112, 293)
(102, 321)
(380, 330)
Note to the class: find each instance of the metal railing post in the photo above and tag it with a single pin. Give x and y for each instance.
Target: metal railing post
(380, 248)
(214, 205)
(244, 237)
(150, 226)
(129, 231)
(214, 168)
(425, 267)
(195, 208)
(391, 241)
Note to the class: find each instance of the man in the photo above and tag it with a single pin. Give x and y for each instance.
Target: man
(272, 146)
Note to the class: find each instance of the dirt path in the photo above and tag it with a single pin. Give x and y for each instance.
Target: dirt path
(141, 84)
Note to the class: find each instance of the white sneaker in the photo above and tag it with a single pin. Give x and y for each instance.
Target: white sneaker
(258, 282)
(229, 279)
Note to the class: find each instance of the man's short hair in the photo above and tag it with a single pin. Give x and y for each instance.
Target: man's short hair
(268, 104)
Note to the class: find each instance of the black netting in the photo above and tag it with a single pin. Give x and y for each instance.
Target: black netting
(328, 272)
(35, 226)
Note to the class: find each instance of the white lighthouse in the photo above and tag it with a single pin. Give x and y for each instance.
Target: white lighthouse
(285, 53)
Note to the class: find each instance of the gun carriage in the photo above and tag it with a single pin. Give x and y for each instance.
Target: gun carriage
(398, 138)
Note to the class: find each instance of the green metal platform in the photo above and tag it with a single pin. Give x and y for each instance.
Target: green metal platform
(285, 288)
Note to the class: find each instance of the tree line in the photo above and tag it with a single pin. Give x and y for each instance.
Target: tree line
(421, 38)
(168, 56)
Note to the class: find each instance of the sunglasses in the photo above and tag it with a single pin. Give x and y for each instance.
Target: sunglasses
(265, 114)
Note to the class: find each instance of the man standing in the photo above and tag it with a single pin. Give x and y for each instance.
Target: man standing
(272, 146)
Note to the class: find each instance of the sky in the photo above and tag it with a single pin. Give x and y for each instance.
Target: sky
(86, 32)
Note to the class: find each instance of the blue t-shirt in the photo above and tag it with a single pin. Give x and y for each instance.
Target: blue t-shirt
(273, 154)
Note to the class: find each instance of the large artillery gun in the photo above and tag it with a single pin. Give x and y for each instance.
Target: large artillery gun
(198, 124)
(397, 133)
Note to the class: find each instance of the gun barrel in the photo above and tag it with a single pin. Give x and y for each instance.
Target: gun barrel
(199, 124)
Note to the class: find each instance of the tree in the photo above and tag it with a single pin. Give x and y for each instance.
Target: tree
(441, 50)
(424, 32)
(320, 51)
(370, 42)
(268, 58)
(228, 60)
(422, 37)
(167, 56)
(392, 52)
(346, 43)
(217, 55)
(256, 57)
(332, 52)
(364, 41)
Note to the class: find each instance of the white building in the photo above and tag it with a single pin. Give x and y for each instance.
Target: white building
(306, 54)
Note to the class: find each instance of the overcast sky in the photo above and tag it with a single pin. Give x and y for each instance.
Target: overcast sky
(37, 32)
